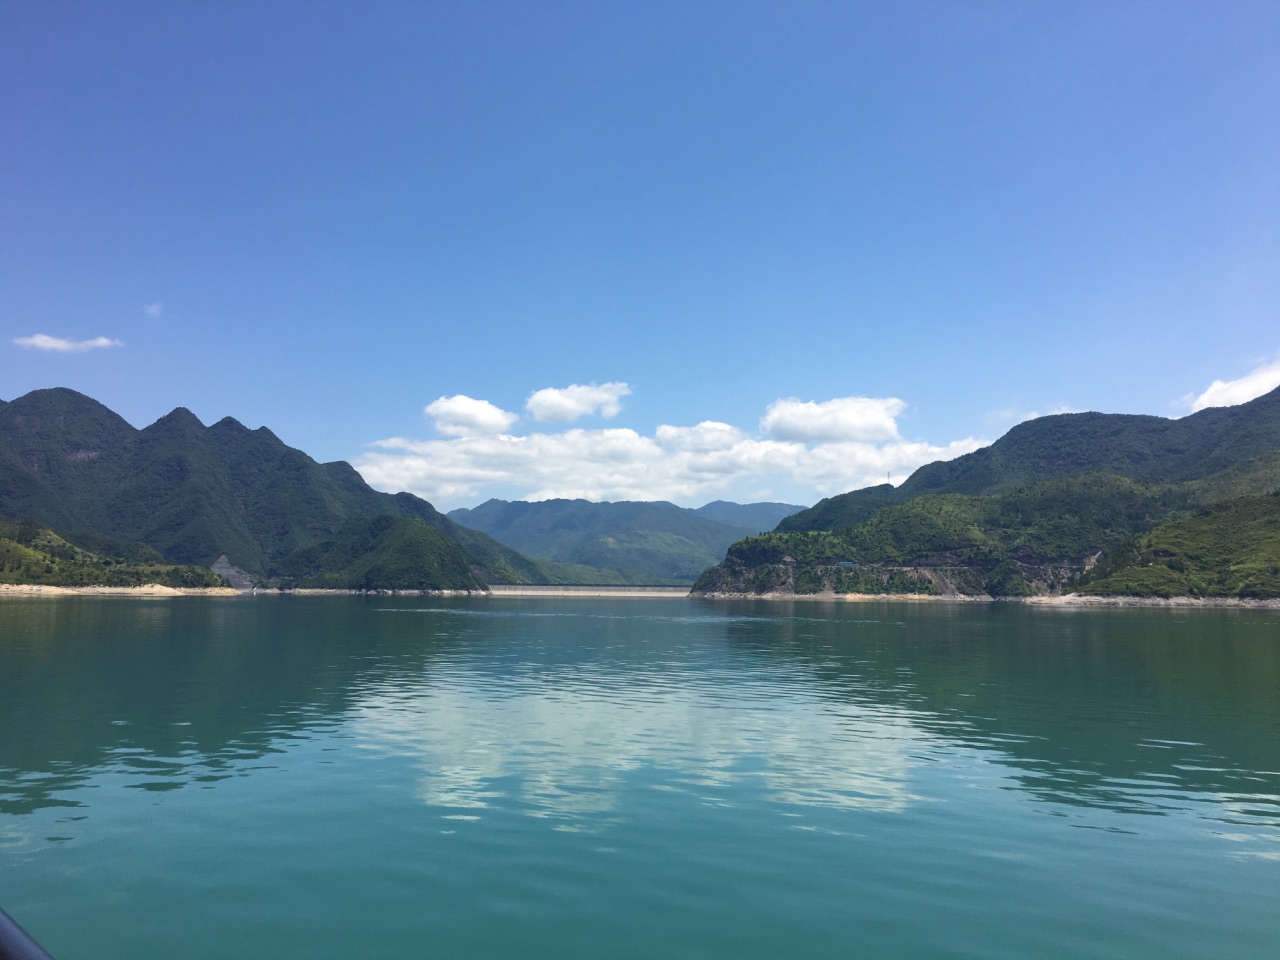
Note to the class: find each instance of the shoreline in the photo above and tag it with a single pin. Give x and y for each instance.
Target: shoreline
(528, 590)
(849, 597)
(1078, 600)
(497, 591)
(1071, 601)
(145, 590)
(1066, 600)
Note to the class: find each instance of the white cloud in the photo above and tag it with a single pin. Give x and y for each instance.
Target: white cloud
(463, 416)
(1013, 416)
(41, 341)
(844, 418)
(1227, 393)
(154, 310)
(553, 405)
(684, 464)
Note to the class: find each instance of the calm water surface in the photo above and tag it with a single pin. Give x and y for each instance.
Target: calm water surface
(385, 778)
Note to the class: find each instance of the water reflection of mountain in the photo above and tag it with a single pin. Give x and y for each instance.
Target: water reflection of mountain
(1138, 710)
(169, 692)
(559, 706)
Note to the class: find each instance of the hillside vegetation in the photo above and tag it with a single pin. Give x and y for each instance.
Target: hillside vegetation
(31, 553)
(1229, 549)
(383, 553)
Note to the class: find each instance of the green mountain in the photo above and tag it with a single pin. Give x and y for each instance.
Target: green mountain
(193, 493)
(32, 553)
(643, 542)
(387, 553)
(1035, 512)
(1034, 540)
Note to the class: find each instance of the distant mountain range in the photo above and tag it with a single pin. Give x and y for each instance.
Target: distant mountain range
(646, 542)
(1103, 503)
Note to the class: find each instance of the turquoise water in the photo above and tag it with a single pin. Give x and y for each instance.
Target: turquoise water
(342, 777)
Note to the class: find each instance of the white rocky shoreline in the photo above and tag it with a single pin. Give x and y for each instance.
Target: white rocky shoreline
(144, 590)
(160, 591)
(1088, 600)
(1070, 600)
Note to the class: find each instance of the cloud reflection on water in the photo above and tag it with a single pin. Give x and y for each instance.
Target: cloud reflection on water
(571, 750)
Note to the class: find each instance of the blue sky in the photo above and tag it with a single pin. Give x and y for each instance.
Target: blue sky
(744, 250)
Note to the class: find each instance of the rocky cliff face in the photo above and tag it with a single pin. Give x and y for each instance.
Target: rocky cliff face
(1013, 577)
(238, 578)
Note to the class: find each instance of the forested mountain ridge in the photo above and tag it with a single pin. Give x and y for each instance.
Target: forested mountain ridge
(193, 493)
(1037, 511)
(750, 516)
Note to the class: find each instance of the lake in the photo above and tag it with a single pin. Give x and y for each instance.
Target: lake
(384, 777)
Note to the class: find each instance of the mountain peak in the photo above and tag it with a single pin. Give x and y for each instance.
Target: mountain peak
(179, 418)
(72, 418)
(59, 400)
